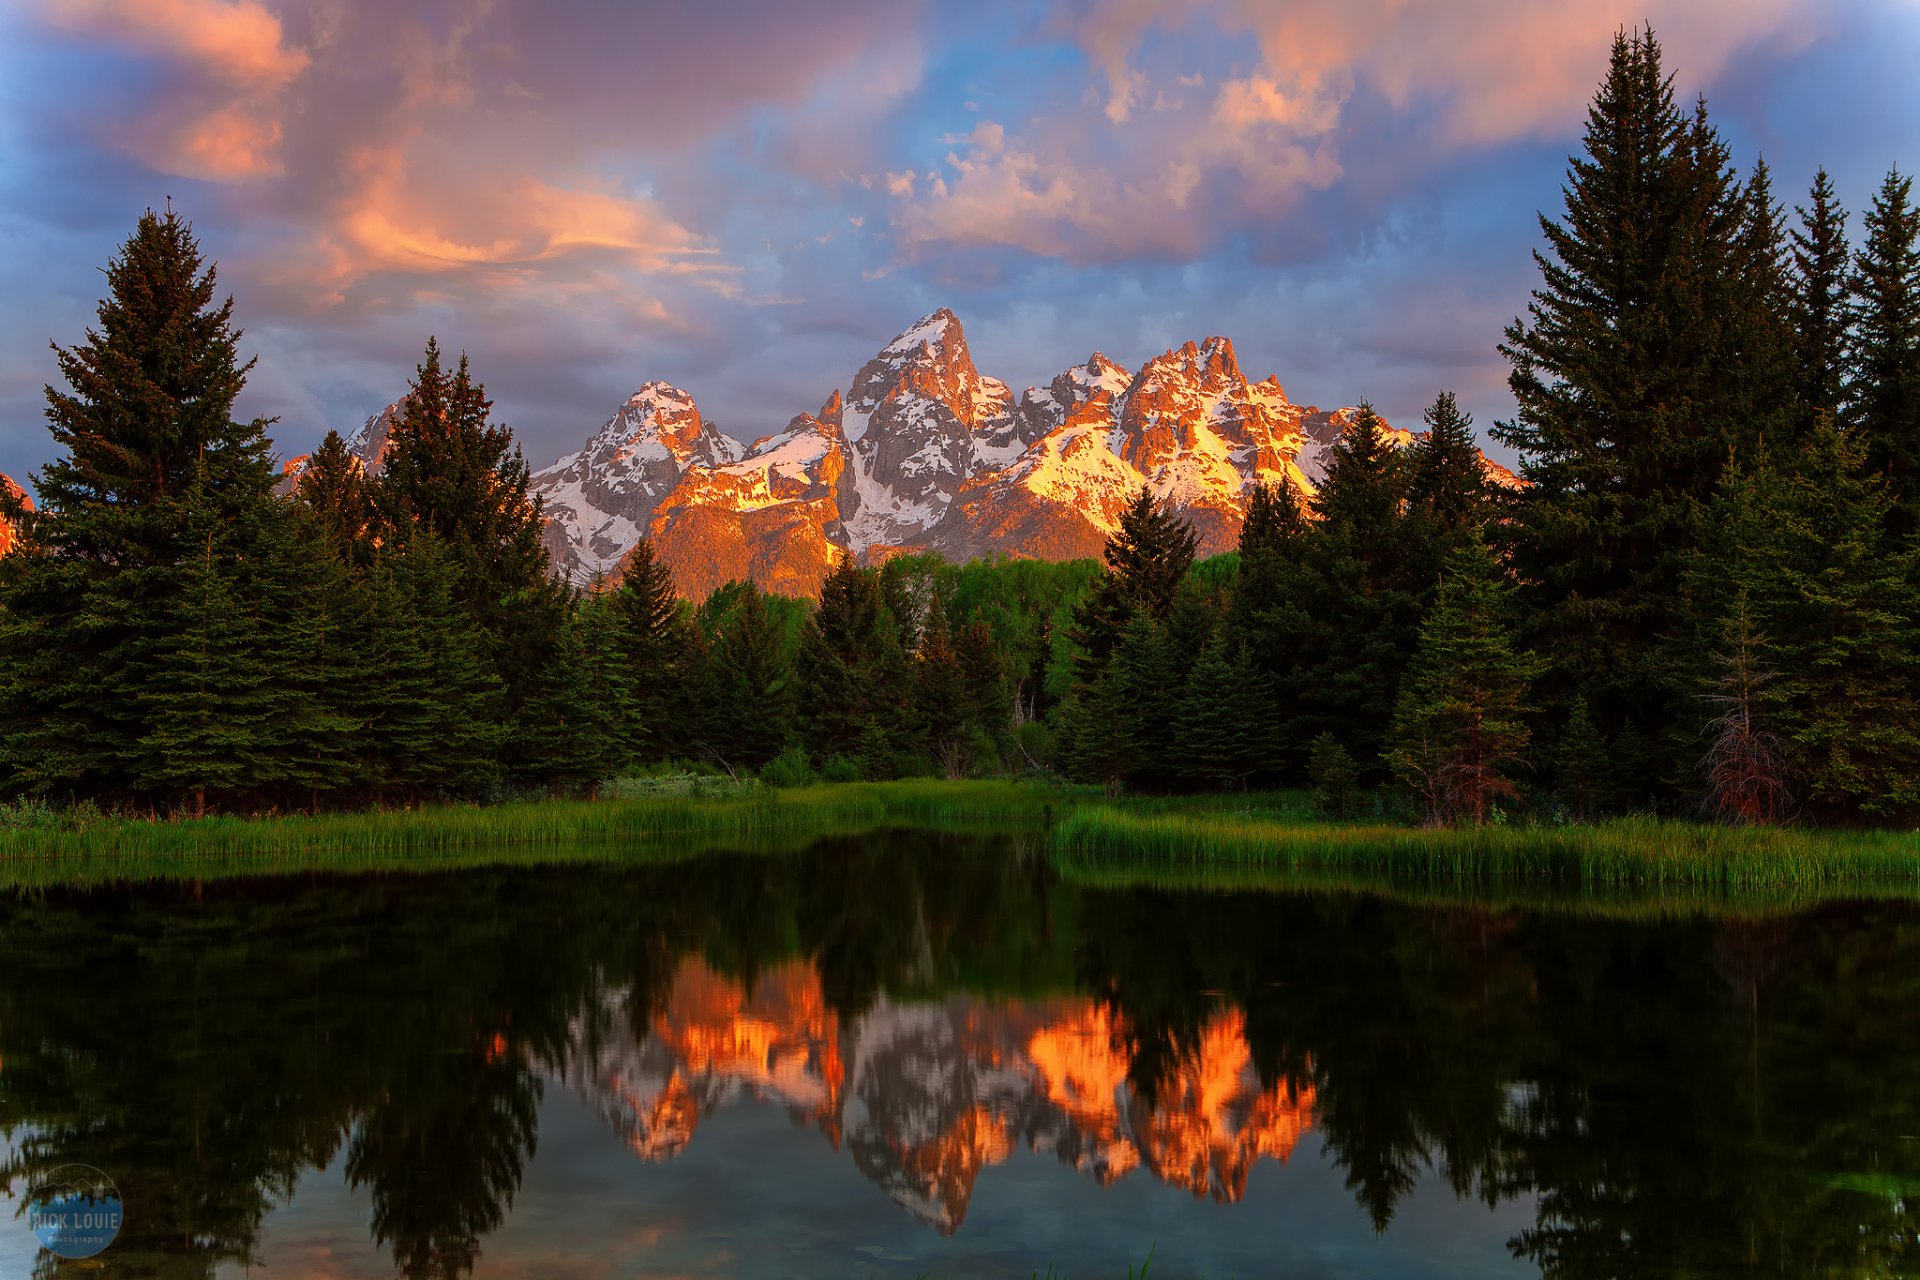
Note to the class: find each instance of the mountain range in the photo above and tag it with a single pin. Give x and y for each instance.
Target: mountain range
(923, 453)
(926, 453)
(924, 1096)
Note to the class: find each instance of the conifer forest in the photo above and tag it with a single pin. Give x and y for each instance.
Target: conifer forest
(1703, 600)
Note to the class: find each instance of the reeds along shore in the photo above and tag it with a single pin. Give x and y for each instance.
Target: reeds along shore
(1203, 842)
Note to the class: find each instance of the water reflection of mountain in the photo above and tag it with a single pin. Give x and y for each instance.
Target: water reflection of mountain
(925, 1095)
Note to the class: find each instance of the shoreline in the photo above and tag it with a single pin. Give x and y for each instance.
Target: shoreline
(1223, 843)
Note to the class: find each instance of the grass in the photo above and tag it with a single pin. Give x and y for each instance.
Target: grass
(1264, 841)
(656, 822)
(1631, 853)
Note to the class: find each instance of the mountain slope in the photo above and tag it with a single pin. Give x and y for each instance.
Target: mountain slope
(926, 453)
(14, 491)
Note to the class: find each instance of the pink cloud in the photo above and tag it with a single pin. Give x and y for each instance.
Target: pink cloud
(240, 40)
(1108, 182)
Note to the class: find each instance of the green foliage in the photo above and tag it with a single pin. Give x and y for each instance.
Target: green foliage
(1832, 600)
(1646, 361)
(791, 768)
(1336, 778)
(1459, 727)
(151, 460)
(1147, 558)
(1884, 360)
(1818, 297)
(1582, 770)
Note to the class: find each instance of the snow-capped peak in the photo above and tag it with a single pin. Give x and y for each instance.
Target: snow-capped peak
(929, 330)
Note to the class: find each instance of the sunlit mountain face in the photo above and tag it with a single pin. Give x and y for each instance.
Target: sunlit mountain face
(926, 1096)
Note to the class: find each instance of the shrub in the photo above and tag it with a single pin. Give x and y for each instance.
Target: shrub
(790, 768)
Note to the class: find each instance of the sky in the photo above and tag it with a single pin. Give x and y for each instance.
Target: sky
(748, 198)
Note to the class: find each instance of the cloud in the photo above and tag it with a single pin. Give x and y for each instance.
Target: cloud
(238, 40)
(231, 63)
(1098, 181)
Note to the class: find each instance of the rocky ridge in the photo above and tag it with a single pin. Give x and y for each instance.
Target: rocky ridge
(8, 537)
(925, 453)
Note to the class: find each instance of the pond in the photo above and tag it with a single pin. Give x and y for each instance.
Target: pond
(919, 1055)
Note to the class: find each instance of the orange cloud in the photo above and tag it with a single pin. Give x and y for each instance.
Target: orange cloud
(234, 51)
(231, 145)
(1111, 182)
(239, 39)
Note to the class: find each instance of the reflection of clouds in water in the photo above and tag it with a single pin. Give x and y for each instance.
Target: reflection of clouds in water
(924, 1096)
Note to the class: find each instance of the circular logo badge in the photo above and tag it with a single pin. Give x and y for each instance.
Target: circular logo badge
(75, 1211)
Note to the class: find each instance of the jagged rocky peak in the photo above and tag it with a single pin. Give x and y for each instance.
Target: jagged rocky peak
(920, 419)
(599, 501)
(1070, 395)
(369, 441)
(15, 493)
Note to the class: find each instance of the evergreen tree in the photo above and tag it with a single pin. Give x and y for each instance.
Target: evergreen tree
(1446, 485)
(1819, 293)
(853, 668)
(1146, 559)
(1761, 342)
(334, 487)
(1633, 372)
(1746, 773)
(990, 704)
(1355, 610)
(1095, 742)
(1335, 776)
(656, 639)
(207, 702)
(454, 475)
(1459, 727)
(1581, 769)
(607, 686)
(943, 705)
(146, 426)
(1884, 394)
(753, 715)
(308, 602)
(1802, 560)
(1218, 729)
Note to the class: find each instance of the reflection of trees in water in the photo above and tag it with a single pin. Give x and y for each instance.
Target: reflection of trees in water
(1692, 1096)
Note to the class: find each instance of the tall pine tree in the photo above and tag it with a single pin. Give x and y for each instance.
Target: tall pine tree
(145, 424)
(1884, 394)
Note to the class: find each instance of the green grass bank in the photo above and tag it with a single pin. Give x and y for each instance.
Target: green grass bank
(1209, 842)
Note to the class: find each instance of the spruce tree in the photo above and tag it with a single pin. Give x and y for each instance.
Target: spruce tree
(655, 635)
(943, 706)
(334, 488)
(1446, 485)
(853, 669)
(1147, 557)
(207, 701)
(1582, 772)
(1802, 551)
(1217, 729)
(1633, 372)
(310, 603)
(1819, 293)
(454, 475)
(754, 687)
(144, 420)
(1355, 612)
(990, 704)
(1459, 728)
(1335, 776)
(1884, 393)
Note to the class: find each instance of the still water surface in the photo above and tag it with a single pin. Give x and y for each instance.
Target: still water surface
(909, 1054)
